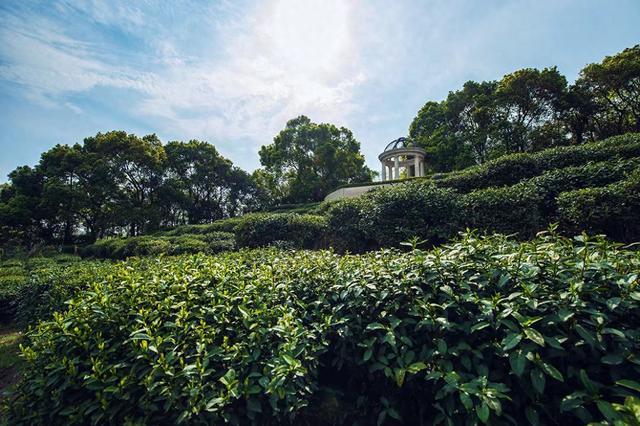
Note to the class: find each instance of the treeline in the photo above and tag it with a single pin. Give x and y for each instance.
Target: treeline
(119, 183)
(530, 110)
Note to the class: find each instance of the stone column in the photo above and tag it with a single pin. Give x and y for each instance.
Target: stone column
(383, 176)
(417, 172)
(396, 166)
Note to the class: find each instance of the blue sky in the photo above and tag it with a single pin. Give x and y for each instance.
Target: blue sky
(233, 72)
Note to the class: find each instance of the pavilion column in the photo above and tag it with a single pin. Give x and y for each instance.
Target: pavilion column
(417, 172)
(396, 166)
(384, 171)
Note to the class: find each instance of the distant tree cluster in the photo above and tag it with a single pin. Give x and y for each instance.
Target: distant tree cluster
(530, 110)
(119, 183)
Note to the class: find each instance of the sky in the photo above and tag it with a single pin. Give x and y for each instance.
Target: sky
(234, 72)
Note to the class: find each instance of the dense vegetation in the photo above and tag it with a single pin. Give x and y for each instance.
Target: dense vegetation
(586, 187)
(529, 110)
(175, 313)
(484, 328)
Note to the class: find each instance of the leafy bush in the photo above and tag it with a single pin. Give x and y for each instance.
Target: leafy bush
(347, 228)
(612, 210)
(154, 245)
(481, 330)
(511, 210)
(511, 169)
(551, 184)
(303, 231)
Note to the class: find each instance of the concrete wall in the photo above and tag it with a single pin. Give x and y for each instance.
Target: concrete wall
(355, 191)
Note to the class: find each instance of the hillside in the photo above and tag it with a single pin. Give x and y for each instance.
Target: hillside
(591, 187)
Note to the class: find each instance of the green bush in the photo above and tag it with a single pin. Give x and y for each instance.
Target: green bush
(613, 210)
(155, 245)
(302, 231)
(347, 228)
(510, 210)
(552, 183)
(51, 285)
(481, 330)
(513, 168)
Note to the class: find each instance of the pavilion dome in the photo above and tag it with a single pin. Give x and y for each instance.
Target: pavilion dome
(399, 144)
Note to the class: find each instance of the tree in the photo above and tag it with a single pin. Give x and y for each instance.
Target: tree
(205, 185)
(137, 166)
(307, 160)
(613, 87)
(528, 102)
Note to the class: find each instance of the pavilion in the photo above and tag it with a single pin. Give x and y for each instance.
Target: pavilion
(399, 154)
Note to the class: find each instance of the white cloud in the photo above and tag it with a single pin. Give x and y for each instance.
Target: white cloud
(282, 59)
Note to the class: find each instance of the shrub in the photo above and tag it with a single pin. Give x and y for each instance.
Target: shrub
(510, 210)
(552, 183)
(513, 168)
(347, 228)
(481, 330)
(154, 245)
(612, 210)
(260, 230)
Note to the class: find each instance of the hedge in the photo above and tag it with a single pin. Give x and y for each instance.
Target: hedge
(482, 330)
(388, 216)
(154, 245)
(613, 210)
(294, 230)
(513, 168)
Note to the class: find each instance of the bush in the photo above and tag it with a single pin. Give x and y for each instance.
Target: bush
(389, 216)
(481, 330)
(612, 210)
(155, 245)
(510, 210)
(513, 168)
(551, 184)
(260, 230)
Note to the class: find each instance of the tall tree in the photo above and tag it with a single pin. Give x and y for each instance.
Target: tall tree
(307, 160)
(528, 102)
(613, 87)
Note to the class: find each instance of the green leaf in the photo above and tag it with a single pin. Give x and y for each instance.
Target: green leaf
(629, 384)
(585, 335)
(376, 326)
(534, 336)
(511, 341)
(612, 359)
(367, 355)
(607, 410)
(466, 400)
(517, 360)
(483, 412)
(532, 416)
(552, 371)
(587, 383)
(537, 380)
(416, 367)
(400, 373)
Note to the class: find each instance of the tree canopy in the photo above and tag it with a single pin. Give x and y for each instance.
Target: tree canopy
(529, 110)
(307, 160)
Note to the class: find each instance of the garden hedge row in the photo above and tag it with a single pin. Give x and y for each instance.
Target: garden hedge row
(389, 216)
(613, 209)
(154, 245)
(513, 168)
(289, 229)
(482, 330)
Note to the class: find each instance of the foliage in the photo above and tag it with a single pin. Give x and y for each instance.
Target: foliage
(511, 169)
(155, 245)
(481, 330)
(306, 161)
(116, 182)
(529, 110)
(302, 231)
(611, 210)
